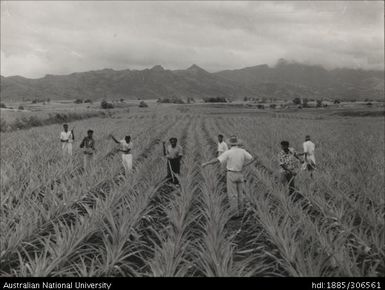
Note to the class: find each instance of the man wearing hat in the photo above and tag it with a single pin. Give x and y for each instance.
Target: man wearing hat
(308, 151)
(88, 145)
(235, 159)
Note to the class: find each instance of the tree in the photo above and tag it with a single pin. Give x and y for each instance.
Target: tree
(78, 101)
(143, 104)
(305, 103)
(20, 107)
(215, 100)
(336, 101)
(190, 100)
(297, 101)
(105, 105)
(172, 100)
(273, 106)
(319, 103)
(2, 105)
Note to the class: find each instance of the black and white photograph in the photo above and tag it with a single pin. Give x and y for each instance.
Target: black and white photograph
(192, 139)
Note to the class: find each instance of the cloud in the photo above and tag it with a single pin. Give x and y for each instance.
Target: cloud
(60, 37)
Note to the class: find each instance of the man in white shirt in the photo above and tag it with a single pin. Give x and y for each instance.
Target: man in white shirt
(126, 147)
(67, 138)
(235, 159)
(222, 146)
(308, 151)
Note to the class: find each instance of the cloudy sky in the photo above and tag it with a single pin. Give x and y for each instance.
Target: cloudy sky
(39, 38)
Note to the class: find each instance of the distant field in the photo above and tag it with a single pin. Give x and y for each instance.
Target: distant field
(332, 111)
(57, 221)
(41, 110)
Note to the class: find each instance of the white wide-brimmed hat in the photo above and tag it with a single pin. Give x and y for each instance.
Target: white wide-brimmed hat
(234, 141)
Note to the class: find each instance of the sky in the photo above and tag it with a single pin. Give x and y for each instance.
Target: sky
(62, 37)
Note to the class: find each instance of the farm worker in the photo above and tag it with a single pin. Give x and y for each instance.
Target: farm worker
(174, 154)
(287, 165)
(222, 146)
(308, 151)
(88, 144)
(126, 147)
(235, 159)
(67, 138)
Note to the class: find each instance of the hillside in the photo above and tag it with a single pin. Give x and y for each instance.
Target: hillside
(289, 79)
(284, 81)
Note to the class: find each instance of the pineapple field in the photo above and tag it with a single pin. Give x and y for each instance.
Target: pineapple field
(58, 220)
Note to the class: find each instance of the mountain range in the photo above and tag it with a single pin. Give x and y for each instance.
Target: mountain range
(285, 80)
